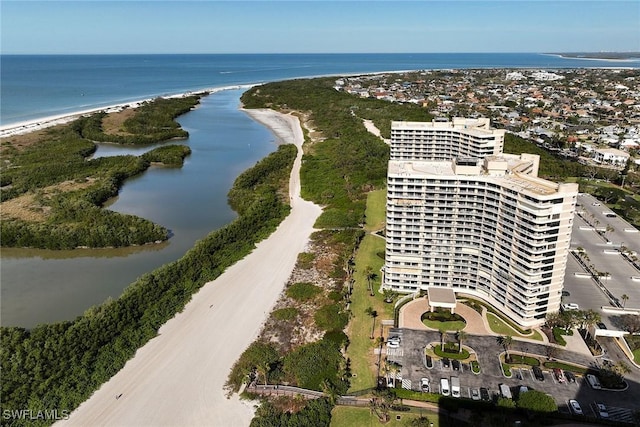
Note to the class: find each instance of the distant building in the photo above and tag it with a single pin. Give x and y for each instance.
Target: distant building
(611, 156)
(486, 226)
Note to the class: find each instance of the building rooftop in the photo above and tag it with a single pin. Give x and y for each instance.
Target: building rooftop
(480, 127)
(511, 177)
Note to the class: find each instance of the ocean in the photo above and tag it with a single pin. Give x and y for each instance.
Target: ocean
(38, 86)
(41, 286)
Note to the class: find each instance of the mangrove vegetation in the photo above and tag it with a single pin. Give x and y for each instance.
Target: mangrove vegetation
(53, 191)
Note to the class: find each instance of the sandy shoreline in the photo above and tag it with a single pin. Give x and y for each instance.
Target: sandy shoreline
(27, 126)
(177, 378)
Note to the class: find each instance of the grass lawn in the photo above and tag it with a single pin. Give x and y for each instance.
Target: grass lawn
(636, 355)
(348, 416)
(376, 210)
(361, 346)
(566, 367)
(454, 325)
(499, 327)
(517, 359)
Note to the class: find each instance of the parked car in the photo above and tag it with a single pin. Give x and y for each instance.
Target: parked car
(559, 375)
(575, 407)
(537, 372)
(444, 386)
(475, 394)
(429, 361)
(424, 384)
(446, 362)
(393, 342)
(456, 364)
(594, 382)
(570, 306)
(484, 394)
(601, 325)
(570, 376)
(602, 410)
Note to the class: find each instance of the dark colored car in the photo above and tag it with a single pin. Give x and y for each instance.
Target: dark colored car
(484, 394)
(537, 372)
(569, 376)
(445, 362)
(456, 365)
(429, 361)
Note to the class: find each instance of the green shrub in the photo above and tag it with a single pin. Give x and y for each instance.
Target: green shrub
(331, 318)
(303, 291)
(566, 367)
(169, 155)
(557, 336)
(305, 260)
(286, 314)
(517, 359)
(451, 351)
(506, 368)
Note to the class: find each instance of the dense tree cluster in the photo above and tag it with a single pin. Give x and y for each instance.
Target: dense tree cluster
(315, 413)
(152, 122)
(59, 365)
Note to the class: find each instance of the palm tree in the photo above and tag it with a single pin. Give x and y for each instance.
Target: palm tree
(591, 317)
(373, 313)
(370, 275)
(263, 370)
(505, 341)
(329, 390)
(443, 335)
(624, 299)
(462, 335)
(389, 294)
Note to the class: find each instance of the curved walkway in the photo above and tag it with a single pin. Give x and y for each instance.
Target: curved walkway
(177, 378)
(410, 317)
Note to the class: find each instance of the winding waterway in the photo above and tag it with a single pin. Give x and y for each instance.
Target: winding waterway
(41, 286)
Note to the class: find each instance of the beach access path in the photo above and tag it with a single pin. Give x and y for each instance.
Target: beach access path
(177, 378)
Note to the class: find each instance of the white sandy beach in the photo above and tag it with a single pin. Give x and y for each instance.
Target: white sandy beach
(177, 379)
(27, 126)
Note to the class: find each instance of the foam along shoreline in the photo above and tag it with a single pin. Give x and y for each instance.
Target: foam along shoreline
(583, 58)
(28, 126)
(178, 377)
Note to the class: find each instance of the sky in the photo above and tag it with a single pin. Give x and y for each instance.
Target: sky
(314, 26)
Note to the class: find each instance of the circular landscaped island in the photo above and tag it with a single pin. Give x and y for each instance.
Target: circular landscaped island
(443, 320)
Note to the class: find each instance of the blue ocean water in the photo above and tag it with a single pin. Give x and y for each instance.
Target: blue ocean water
(37, 86)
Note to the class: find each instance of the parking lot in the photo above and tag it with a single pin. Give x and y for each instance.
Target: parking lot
(411, 356)
(604, 256)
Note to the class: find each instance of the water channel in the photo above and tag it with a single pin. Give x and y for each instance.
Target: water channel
(42, 286)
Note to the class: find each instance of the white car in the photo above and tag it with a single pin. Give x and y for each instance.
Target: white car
(595, 203)
(475, 394)
(575, 407)
(571, 306)
(393, 342)
(424, 384)
(602, 410)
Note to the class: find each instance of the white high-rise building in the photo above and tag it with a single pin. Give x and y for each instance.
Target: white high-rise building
(486, 226)
(444, 140)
